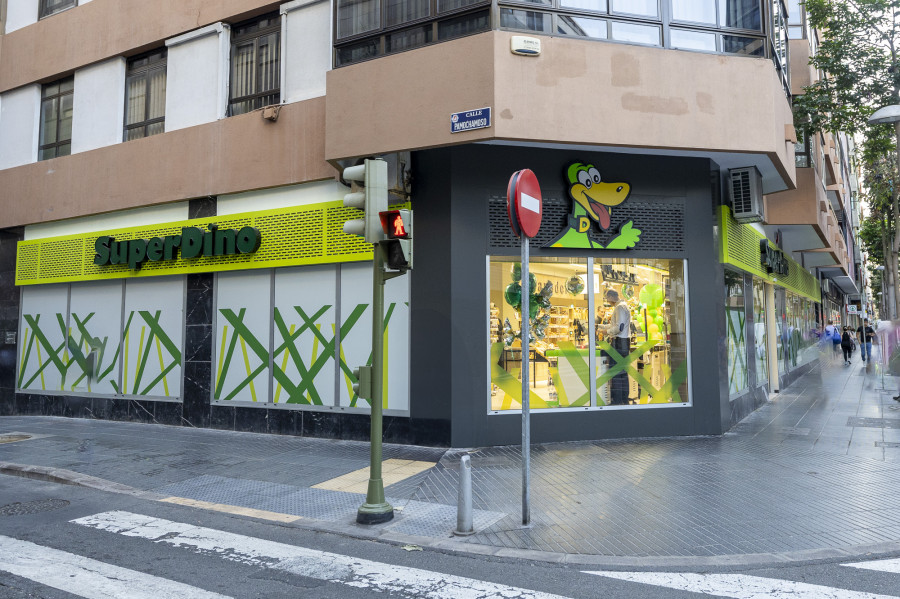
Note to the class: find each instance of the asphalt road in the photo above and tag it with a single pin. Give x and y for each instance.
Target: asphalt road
(63, 541)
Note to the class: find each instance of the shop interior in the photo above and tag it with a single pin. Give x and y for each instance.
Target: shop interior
(574, 313)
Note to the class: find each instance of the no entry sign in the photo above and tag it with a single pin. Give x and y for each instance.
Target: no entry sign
(523, 203)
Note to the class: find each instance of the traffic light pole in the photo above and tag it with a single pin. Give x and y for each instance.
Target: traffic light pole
(376, 509)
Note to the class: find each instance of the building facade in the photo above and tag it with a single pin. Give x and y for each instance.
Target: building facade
(172, 247)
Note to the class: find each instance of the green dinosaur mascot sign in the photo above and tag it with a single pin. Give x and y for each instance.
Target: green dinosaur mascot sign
(591, 202)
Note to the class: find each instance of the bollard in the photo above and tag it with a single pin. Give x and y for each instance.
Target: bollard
(464, 507)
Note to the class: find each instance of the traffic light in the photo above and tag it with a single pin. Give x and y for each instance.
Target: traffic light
(363, 385)
(397, 226)
(371, 196)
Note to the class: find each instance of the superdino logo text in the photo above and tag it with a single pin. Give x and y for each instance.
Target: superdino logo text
(592, 202)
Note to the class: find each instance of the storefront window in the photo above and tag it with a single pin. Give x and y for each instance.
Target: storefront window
(575, 305)
(735, 321)
(759, 331)
(780, 329)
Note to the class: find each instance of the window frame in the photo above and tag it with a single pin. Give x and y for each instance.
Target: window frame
(255, 36)
(58, 96)
(45, 11)
(144, 71)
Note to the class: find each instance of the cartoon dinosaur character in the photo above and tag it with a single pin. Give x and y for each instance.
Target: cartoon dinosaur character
(590, 198)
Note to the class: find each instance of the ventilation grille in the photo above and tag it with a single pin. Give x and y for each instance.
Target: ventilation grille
(661, 224)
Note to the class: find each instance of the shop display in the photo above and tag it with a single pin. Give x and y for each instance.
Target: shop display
(576, 323)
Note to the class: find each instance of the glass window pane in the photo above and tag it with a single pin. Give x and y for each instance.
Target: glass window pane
(49, 117)
(759, 331)
(63, 149)
(67, 85)
(136, 99)
(559, 374)
(639, 323)
(742, 14)
(356, 52)
(410, 38)
(47, 154)
(134, 133)
(65, 117)
(697, 11)
(358, 16)
(405, 11)
(596, 5)
(155, 128)
(630, 32)
(526, 20)
(582, 26)
(157, 83)
(735, 326)
(693, 40)
(51, 89)
(268, 59)
(445, 5)
(779, 330)
(645, 8)
(749, 46)
(243, 70)
(464, 25)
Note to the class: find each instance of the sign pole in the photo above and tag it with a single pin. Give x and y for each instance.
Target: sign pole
(526, 391)
(525, 208)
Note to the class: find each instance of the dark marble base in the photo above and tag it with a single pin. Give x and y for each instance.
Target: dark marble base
(325, 425)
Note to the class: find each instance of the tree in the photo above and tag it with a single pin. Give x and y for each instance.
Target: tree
(859, 54)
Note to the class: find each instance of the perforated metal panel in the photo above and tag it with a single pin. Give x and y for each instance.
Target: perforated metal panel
(290, 237)
(661, 223)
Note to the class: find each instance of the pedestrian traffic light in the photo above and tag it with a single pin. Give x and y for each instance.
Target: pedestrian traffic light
(397, 226)
(370, 195)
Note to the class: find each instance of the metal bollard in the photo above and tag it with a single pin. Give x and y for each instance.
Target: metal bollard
(464, 507)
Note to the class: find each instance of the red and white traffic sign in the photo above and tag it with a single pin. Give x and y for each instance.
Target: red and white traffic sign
(523, 203)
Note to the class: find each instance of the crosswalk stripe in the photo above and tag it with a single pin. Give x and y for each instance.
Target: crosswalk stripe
(739, 586)
(89, 578)
(321, 565)
(882, 565)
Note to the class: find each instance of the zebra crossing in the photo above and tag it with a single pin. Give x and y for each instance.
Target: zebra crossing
(86, 577)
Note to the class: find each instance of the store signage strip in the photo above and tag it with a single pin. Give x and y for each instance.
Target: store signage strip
(296, 236)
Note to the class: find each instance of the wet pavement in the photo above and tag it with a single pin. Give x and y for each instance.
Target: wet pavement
(813, 474)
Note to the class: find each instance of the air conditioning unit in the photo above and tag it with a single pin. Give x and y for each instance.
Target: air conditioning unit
(745, 192)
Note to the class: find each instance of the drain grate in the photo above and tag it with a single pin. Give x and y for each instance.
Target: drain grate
(874, 422)
(32, 507)
(890, 444)
(13, 437)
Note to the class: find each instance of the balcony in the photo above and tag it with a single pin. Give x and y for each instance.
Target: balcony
(577, 93)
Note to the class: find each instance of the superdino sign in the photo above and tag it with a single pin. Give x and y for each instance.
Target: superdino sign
(592, 202)
(192, 243)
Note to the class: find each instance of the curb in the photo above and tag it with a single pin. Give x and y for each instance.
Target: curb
(453, 546)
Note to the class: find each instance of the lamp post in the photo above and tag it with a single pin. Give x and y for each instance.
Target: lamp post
(890, 115)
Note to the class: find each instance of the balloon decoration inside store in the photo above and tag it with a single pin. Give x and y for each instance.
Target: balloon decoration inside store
(652, 297)
(538, 305)
(574, 285)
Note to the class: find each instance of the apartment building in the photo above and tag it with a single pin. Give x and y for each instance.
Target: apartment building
(171, 234)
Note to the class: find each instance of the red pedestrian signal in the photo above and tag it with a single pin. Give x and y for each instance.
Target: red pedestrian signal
(395, 223)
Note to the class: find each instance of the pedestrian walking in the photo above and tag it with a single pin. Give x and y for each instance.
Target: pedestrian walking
(847, 344)
(865, 334)
(836, 338)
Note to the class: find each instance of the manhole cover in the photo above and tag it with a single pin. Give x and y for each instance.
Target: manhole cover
(13, 437)
(32, 507)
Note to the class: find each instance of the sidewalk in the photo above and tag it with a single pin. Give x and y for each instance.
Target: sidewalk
(814, 474)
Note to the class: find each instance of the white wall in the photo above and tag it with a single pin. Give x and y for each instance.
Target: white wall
(197, 76)
(98, 108)
(20, 13)
(306, 49)
(19, 126)
(110, 221)
(281, 197)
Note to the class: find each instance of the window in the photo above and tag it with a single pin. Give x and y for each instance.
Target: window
(145, 95)
(51, 7)
(607, 332)
(56, 119)
(255, 64)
